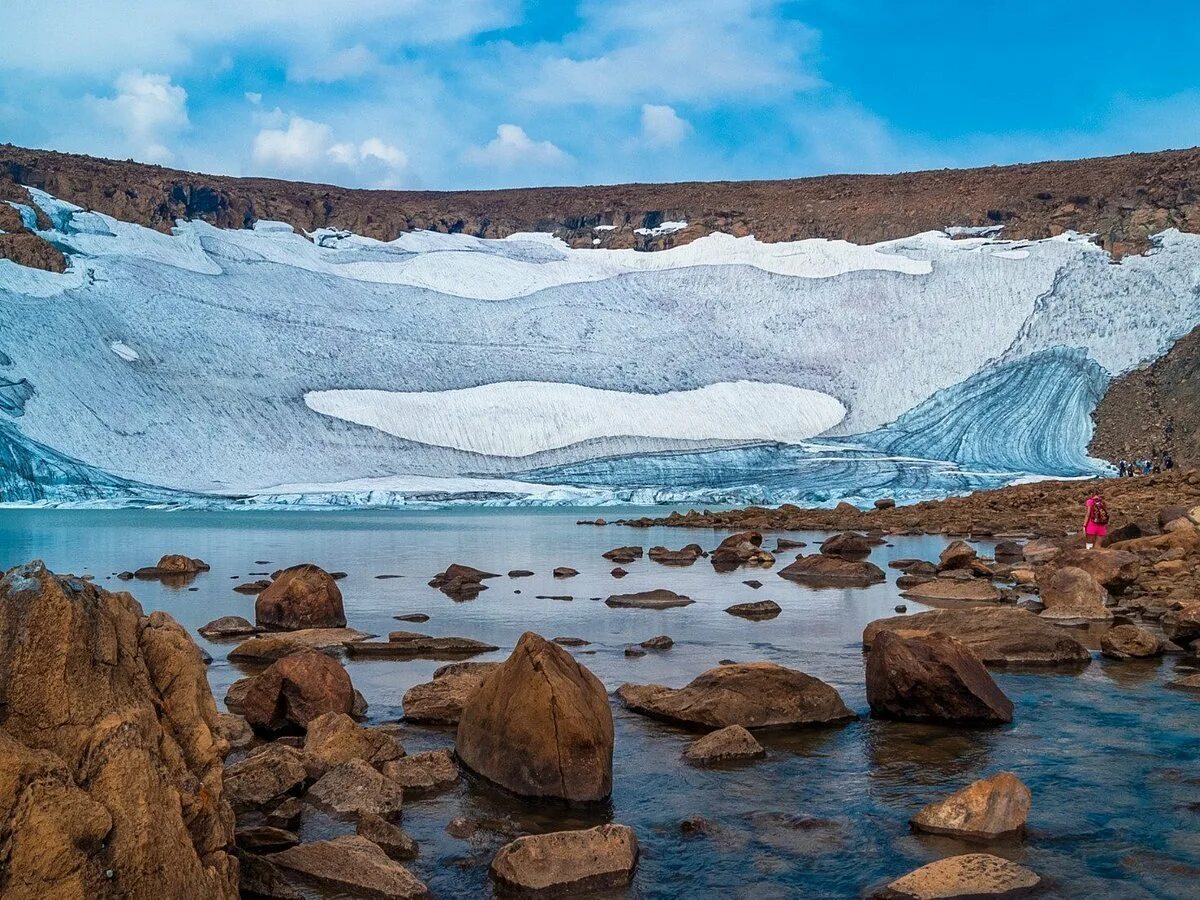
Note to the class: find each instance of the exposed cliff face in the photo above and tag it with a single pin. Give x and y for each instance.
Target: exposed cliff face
(20, 244)
(1122, 199)
(1154, 408)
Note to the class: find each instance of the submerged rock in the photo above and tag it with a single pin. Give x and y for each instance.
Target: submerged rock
(656, 599)
(540, 726)
(1130, 642)
(564, 572)
(303, 596)
(999, 635)
(725, 744)
(296, 689)
(461, 582)
(820, 570)
(568, 862)
(441, 701)
(929, 676)
(110, 756)
(624, 554)
(754, 695)
(984, 810)
(173, 564)
(685, 556)
(659, 642)
(757, 612)
(354, 864)
(974, 875)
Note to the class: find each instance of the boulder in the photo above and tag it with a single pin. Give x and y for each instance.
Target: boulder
(931, 677)
(264, 776)
(296, 689)
(461, 582)
(441, 701)
(304, 596)
(982, 811)
(235, 730)
(423, 773)
(392, 839)
(976, 590)
(227, 626)
(848, 544)
(412, 617)
(568, 862)
(658, 642)
(540, 726)
(1113, 569)
(784, 544)
(753, 695)
(252, 587)
(264, 839)
(618, 572)
(1130, 642)
(974, 875)
(819, 570)
(656, 599)
(564, 572)
(264, 648)
(1041, 550)
(1009, 551)
(1072, 595)
(411, 645)
(959, 555)
(624, 554)
(352, 864)
(261, 878)
(571, 642)
(1182, 625)
(110, 754)
(756, 612)
(999, 635)
(723, 745)
(741, 549)
(335, 738)
(355, 788)
(885, 503)
(1186, 683)
(173, 564)
(682, 557)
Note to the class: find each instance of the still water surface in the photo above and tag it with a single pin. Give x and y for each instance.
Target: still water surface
(1110, 754)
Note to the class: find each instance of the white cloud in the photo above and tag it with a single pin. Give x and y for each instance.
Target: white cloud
(662, 126)
(148, 109)
(307, 149)
(253, 97)
(352, 62)
(512, 146)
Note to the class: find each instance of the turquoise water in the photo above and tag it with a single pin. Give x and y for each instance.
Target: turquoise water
(1110, 754)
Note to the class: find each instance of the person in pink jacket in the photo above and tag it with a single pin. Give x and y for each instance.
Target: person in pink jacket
(1095, 521)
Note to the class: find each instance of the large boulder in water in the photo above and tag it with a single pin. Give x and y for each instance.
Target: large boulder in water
(1071, 595)
(294, 691)
(999, 635)
(304, 596)
(1114, 569)
(568, 862)
(540, 726)
(848, 544)
(959, 555)
(753, 695)
(982, 811)
(931, 677)
(110, 759)
(741, 549)
(1130, 642)
(820, 570)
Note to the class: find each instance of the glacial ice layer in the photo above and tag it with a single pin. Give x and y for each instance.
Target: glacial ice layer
(266, 366)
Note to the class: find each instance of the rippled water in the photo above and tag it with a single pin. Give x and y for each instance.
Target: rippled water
(1110, 754)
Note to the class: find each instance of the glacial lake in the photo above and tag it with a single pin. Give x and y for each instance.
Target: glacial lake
(1109, 754)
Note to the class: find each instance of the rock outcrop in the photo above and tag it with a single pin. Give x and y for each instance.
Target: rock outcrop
(759, 611)
(931, 677)
(568, 862)
(540, 726)
(303, 596)
(111, 775)
(753, 695)
(982, 811)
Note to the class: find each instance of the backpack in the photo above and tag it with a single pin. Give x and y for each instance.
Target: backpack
(1099, 512)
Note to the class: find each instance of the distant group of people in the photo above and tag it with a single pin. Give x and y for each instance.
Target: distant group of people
(1151, 465)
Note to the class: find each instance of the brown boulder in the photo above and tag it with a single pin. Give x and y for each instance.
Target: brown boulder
(928, 676)
(304, 596)
(540, 726)
(1072, 595)
(741, 549)
(656, 599)
(999, 635)
(110, 755)
(568, 862)
(1182, 625)
(392, 839)
(264, 776)
(227, 626)
(441, 701)
(1130, 642)
(974, 875)
(356, 788)
(173, 564)
(753, 695)
(723, 745)
(820, 570)
(848, 544)
(987, 809)
(756, 612)
(1009, 551)
(564, 572)
(296, 689)
(976, 590)
(959, 555)
(411, 645)
(352, 864)
(1114, 569)
(423, 773)
(624, 554)
(685, 556)
(335, 738)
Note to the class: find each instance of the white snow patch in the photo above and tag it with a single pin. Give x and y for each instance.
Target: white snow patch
(664, 228)
(124, 351)
(517, 418)
(974, 230)
(604, 228)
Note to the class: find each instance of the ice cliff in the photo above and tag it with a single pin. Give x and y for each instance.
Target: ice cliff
(262, 365)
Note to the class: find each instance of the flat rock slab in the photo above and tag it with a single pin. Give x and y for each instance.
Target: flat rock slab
(820, 570)
(656, 599)
(753, 695)
(275, 645)
(973, 875)
(568, 862)
(757, 612)
(410, 645)
(999, 635)
(352, 863)
(412, 617)
(976, 590)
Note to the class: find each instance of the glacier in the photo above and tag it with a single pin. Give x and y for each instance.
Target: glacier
(234, 367)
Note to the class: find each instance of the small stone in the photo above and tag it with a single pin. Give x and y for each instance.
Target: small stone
(461, 827)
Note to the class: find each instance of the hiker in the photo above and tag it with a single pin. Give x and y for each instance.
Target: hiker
(1122, 467)
(1095, 522)
(1168, 463)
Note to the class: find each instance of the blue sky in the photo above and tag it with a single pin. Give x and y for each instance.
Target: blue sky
(494, 93)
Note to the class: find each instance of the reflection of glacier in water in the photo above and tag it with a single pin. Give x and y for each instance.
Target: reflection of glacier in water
(261, 366)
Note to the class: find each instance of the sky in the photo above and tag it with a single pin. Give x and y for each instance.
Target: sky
(450, 94)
